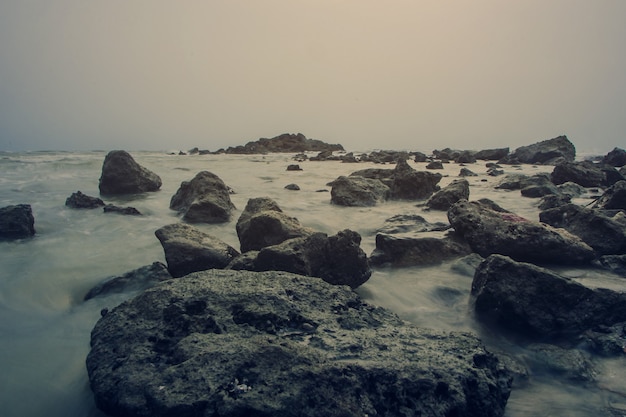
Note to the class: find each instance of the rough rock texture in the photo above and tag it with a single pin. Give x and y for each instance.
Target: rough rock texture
(287, 142)
(453, 192)
(262, 223)
(356, 191)
(492, 154)
(604, 234)
(434, 165)
(204, 199)
(554, 200)
(585, 173)
(189, 250)
(411, 223)
(489, 231)
(616, 158)
(546, 152)
(79, 200)
(128, 211)
(228, 343)
(613, 263)
(537, 186)
(121, 174)
(535, 302)
(17, 222)
(138, 279)
(614, 198)
(409, 184)
(409, 251)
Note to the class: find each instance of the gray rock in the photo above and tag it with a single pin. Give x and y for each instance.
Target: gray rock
(189, 250)
(442, 200)
(492, 154)
(294, 167)
(204, 199)
(411, 223)
(616, 158)
(79, 200)
(285, 143)
(128, 211)
(571, 189)
(409, 184)
(613, 198)
(538, 186)
(121, 174)
(465, 172)
(17, 222)
(136, 280)
(467, 265)
(571, 364)
(585, 173)
(234, 343)
(408, 251)
(356, 191)
(606, 341)
(292, 187)
(546, 152)
(435, 165)
(613, 263)
(466, 157)
(489, 231)
(511, 182)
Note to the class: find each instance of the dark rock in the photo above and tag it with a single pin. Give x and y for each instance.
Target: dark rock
(129, 211)
(137, 280)
(611, 174)
(466, 157)
(263, 223)
(538, 186)
(613, 263)
(383, 174)
(410, 223)
(246, 261)
(584, 173)
(605, 235)
(349, 158)
(467, 265)
(536, 303)
(614, 198)
(493, 172)
(571, 189)
(606, 341)
(447, 154)
(419, 157)
(292, 187)
(571, 364)
(324, 156)
(189, 250)
(287, 142)
(79, 200)
(435, 165)
(453, 192)
(233, 343)
(492, 154)
(385, 157)
(294, 167)
(121, 174)
(17, 222)
(489, 231)
(204, 199)
(547, 152)
(467, 173)
(554, 200)
(409, 184)
(616, 158)
(409, 251)
(355, 191)
(511, 182)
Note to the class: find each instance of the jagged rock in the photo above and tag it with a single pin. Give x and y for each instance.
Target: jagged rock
(189, 250)
(121, 174)
(489, 231)
(409, 184)
(410, 251)
(79, 200)
(546, 152)
(17, 222)
(616, 158)
(604, 234)
(204, 199)
(129, 211)
(447, 154)
(571, 189)
(287, 142)
(492, 154)
(263, 223)
(584, 173)
(536, 303)
(236, 343)
(554, 200)
(435, 165)
(614, 198)
(355, 191)
(442, 200)
(613, 263)
(410, 223)
(419, 157)
(606, 340)
(136, 280)
(465, 172)
(385, 157)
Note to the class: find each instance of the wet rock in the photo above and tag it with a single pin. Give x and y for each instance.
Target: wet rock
(533, 302)
(79, 200)
(571, 189)
(385, 157)
(294, 167)
(489, 231)
(584, 173)
(467, 265)
(511, 182)
(419, 157)
(292, 187)
(189, 250)
(410, 223)
(17, 222)
(494, 172)
(442, 200)
(204, 199)
(409, 251)
(232, 343)
(571, 364)
(547, 152)
(355, 191)
(613, 263)
(128, 211)
(137, 280)
(121, 174)
(409, 184)
(554, 200)
(465, 172)
(287, 143)
(435, 165)
(606, 341)
(492, 154)
(537, 186)
(616, 158)
(613, 198)
(466, 157)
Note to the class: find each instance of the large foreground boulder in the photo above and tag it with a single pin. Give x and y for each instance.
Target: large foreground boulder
(287, 142)
(490, 231)
(121, 174)
(17, 222)
(204, 199)
(546, 152)
(237, 343)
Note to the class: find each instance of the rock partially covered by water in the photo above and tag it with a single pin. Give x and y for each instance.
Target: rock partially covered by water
(121, 174)
(356, 191)
(490, 231)
(127, 211)
(17, 222)
(537, 303)
(232, 343)
(138, 279)
(79, 200)
(547, 152)
(287, 142)
(453, 192)
(189, 250)
(400, 251)
(204, 199)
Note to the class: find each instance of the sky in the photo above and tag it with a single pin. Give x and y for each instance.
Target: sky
(403, 75)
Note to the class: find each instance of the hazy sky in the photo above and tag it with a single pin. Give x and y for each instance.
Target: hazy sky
(415, 74)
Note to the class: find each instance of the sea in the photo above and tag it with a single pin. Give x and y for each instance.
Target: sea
(45, 325)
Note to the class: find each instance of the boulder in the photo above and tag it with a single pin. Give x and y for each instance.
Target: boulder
(294, 167)
(136, 280)
(411, 223)
(466, 157)
(465, 172)
(571, 189)
(554, 200)
(17, 222)
(204, 199)
(604, 234)
(447, 154)
(419, 157)
(121, 174)
(128, 211)
(292, 187)
(79, 200)
(385, 157)
(489, 231)
(442, 200)
(356, 191)
(511, 182)
(585, 173)
(434, 165)
(409, 184)
(492, 154)
(536, 303)
(614, 198)
(417, 251)
(263, 223)
(287, 143)
(537, 186)
(606, 341)
(546, 152)
(189, 250)
(616, 158)
(238, 343)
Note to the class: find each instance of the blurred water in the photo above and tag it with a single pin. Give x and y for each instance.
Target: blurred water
(45, 325)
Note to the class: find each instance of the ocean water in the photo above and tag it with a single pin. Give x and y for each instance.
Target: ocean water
(45, 325)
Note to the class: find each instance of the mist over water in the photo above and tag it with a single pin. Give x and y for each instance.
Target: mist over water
(45, 326)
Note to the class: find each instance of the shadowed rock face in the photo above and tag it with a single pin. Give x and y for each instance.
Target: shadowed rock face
(121, 174)
(17, 222)
(204, 199)
(234, 343)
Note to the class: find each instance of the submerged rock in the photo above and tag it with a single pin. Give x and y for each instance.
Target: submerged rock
(287, 142)
(138, 279)
(17, 222)
(415, 251)
(204, 199)
(79, 200)
(411, 223)
(232, 343)
(128, 211)
(121, 174)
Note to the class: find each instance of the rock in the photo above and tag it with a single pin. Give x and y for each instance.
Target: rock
(189, 250)
(419, 157)
(613, 263)
(571, 189)
(17, 222)
(292, 187)
(137, 280)
(493, 172)
(453, 192)
(554, 200)
(584, 173)
(489, 231)
(616, 158)
(383, 174)
(536, 303)
(408, 251)
(571, 364)
(355, 191)
(79, 200)
(547, 152)
(263, 223)
(606, 341)
(466, 157)
(409, 184)
(287, 142)
(411, 223)
(121, 174)
(467, 265)
(435, 165)
(324, 156)
(204, 199)
(246, 261)
(492, 154)
(604, 234)
(614, 198)
(511, 182)
(447, 154)
(294, 167)
(537, 186)
(465, 172)
(236, 343)
(129, 211)
(385, 157)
